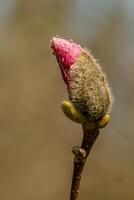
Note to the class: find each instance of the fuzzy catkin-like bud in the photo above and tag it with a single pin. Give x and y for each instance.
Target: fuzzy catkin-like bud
(86, 83)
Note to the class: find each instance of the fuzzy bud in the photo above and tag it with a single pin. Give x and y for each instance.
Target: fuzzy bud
(86, 83)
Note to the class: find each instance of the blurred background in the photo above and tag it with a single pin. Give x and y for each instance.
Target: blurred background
(35, 137)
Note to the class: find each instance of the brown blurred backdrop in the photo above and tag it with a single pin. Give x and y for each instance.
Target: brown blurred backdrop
(35, 137)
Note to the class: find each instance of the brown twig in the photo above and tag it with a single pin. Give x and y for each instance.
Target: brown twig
(89, 137)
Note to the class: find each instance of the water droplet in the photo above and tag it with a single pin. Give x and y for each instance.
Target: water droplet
(67, 50)
(62, 59)
(63, 45)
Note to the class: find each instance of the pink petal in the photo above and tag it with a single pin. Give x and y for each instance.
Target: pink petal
(66, 52)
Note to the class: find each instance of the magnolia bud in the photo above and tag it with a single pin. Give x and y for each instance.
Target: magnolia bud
(86, 83)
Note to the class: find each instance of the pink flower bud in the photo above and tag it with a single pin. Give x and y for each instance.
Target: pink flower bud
(66, 52)
(86, 83)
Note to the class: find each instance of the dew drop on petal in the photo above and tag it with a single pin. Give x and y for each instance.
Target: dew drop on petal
(62, 59)
(67, 50)
(63, 45)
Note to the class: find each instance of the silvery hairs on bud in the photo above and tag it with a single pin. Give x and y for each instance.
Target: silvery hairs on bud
(88, 88)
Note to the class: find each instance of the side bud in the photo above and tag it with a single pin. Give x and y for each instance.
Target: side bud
(71, 112)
